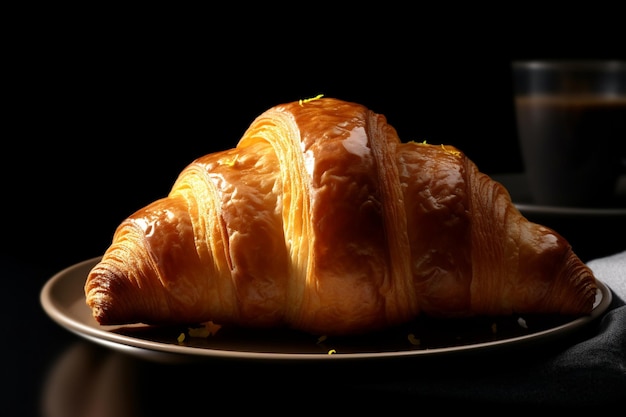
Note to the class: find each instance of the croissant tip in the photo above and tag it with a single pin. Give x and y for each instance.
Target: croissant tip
(101, 309)
(102, 290)
(585, 286)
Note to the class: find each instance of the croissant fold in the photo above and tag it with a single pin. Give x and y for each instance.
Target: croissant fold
(322, 220)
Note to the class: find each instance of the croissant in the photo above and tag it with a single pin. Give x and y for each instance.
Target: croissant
(322, 220)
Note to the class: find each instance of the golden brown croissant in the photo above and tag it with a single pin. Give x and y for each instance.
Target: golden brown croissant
(322, 220)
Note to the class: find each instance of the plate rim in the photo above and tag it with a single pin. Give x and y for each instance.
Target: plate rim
(570, 211)
(512, 181)
(166, 351)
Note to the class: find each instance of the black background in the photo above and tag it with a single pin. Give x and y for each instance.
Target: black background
(107, 107)
(103, 107)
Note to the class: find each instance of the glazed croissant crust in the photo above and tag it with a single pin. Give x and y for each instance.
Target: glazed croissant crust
(322, 220)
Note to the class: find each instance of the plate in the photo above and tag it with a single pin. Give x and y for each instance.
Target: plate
(62, 298)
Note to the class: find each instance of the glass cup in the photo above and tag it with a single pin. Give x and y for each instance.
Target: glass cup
(571, 124)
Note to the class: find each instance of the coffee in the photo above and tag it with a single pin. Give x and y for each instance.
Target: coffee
(574, 144)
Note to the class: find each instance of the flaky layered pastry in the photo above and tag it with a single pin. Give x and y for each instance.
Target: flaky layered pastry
(322, 220)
